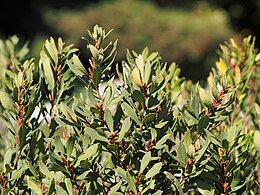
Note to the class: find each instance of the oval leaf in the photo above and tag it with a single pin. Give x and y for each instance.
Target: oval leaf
(128, 111)
(154, 170)
(145, 161)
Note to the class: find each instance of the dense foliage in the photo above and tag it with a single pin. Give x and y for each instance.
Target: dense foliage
(153, 133)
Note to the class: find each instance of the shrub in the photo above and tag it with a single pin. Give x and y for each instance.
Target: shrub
(155, 133)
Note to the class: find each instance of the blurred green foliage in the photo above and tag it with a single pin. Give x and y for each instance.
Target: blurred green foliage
(190, 37)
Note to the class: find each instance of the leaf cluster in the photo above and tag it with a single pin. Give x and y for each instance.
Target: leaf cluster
(150, 133)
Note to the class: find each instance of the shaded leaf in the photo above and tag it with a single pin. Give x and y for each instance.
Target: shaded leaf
(138, 96)
(56, 167)
(149, 117)
(203, 123)
(97, 73)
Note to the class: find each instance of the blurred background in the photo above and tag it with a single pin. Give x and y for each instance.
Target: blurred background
(185, 31)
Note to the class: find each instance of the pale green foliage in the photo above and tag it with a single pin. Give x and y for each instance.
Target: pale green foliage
(158, 134)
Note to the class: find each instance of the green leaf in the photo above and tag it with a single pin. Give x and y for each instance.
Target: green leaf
(47, 70)
(91, 151)
(16, 174)
(125, 127)
(58, 145)
(181, 152)
(94, 134)
(109, 120)
(69, 185)
(76, 66)
(112, 147)
(60, 45)
(121, 172)
(145, 161)
(152, 56)
(154, 170)
(131, 182)
(69, 146)
(158, 192)
(147, 72)
(257, 140)
(44, 169)
(145, 52)
(149, 117)
(33, 186)
(94, 110)
(195, 106)
(161, 124)
(231, 134)
(60, 190)
(174, 182)
(128, 111)
(138, 96)
(114, 189)
(19, 79)
(204, 188)
(187, 139)
(68, 113)
(94, 51)
(109, 95)
(6, 100)
(205, 97)
(15, 94)
(130, 58)
(97, 73)
(51, 48)
(22, 136)
(83, 175)
(235, 188)
(56, 167)
(52, 187)
(88, 153)
(160, 143)
(203, 123)
(32, 169)
(203, 150)
(140, 64)
(215, 91)
(188, 108)
(176, 159)
(190, 150)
